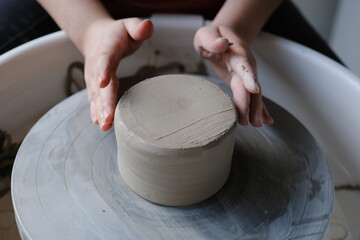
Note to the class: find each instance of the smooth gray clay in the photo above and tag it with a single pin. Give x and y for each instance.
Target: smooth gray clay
(175, 136)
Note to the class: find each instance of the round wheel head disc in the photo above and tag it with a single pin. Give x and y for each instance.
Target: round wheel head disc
(66, 185)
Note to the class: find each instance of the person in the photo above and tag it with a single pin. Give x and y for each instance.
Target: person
(107, 31)
(104, 41)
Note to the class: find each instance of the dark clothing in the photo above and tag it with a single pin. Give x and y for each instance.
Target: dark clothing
(143, 8)
(24, 20)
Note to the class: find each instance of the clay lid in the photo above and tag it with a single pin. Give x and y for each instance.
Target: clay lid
(176, 111)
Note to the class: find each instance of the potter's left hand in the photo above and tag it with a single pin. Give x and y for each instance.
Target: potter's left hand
(235, 64)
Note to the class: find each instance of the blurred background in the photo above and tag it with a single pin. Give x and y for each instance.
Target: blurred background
(338, 22)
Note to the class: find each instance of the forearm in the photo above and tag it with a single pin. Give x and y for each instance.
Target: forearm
(76, 17)
(246, 17)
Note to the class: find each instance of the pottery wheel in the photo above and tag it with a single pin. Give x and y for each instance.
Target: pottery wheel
(66, 185)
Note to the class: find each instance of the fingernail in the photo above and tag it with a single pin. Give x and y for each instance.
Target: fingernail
(260, 119)
(221, 44)
(105, 113)
(270, 120)
(93, 119)
(102, 125)
(257, 88)
(267, 117)
(256, 121)
(146, 19)
(100, 78)
(254, 88)
(244, 120)
(221, 39)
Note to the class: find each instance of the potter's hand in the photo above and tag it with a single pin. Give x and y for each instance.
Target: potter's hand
(235, 64)
(108, 42)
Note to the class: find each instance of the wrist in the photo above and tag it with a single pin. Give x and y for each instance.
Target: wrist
(234, 35)
(246, 17)
(245, 33)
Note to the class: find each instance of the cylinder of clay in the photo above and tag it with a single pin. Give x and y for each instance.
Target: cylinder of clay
(175, 137)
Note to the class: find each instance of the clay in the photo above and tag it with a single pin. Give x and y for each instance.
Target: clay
(175, 137)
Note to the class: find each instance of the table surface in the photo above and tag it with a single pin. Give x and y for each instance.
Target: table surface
(66, 185)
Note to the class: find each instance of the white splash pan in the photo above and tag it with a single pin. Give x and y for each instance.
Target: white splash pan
(319, 92)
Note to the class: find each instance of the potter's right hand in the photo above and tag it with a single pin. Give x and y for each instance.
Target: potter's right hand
(107, 42)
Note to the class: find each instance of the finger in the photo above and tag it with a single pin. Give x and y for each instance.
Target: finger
(93, 113)
(241, 98)
(103, 125)
(92, 92)
(105, 65)
(92, 89)
(108, 60)
(245, 67)
(106, 126)
(106, 103)
(210, 39)
(256, 110)
(266, 116)
(214, 57)
(222, 71)
(97, 110)
(138, 29)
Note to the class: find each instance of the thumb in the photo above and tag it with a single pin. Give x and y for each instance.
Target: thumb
(138, 29)
(208, 38)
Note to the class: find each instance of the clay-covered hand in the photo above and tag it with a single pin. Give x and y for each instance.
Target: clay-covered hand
(107, 42)
(236, 65)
